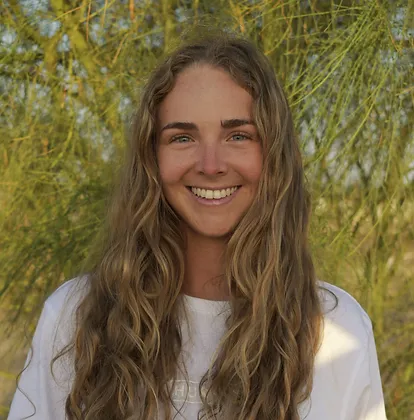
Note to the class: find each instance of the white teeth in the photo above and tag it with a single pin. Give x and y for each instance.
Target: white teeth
(213, 194)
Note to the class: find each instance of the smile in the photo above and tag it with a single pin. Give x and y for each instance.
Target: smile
(213, 194)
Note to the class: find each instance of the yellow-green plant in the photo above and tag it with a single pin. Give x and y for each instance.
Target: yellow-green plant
(70, 73)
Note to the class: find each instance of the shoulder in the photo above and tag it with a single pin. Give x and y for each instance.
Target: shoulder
(341, 308)
(347, 328)
(44, 384)
(69, 294)
(60, 307)
(346, 383)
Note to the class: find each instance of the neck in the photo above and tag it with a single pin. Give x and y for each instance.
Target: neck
(204, 268)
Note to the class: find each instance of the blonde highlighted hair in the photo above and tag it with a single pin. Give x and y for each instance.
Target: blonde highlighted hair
(128, 340)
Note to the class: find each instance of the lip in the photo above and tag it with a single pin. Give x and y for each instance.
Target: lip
(213, 202)
(213, 188)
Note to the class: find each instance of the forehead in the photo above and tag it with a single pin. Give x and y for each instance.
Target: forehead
(205, 94)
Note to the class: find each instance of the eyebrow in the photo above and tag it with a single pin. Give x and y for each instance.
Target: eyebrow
(232, 123)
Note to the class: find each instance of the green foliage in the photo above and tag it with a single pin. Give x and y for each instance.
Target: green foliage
(70, 73)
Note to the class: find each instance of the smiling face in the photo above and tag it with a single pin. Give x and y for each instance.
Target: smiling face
(209, 152)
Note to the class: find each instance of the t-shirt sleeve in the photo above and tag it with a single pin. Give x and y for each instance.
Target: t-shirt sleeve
(41, 395)
(369, 398)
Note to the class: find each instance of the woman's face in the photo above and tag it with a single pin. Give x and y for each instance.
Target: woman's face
(209, 152)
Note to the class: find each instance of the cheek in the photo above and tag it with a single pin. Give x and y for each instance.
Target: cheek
(256, 170)
(252, 166)
(171, 169)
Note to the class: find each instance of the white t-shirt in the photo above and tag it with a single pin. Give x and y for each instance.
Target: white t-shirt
(347, 384)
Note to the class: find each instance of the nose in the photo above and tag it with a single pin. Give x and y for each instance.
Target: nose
(211, 160)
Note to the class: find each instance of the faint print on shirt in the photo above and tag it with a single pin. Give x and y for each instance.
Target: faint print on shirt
(181, 387)
(180, 392)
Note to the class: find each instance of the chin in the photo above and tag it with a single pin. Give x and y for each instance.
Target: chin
(216, 233)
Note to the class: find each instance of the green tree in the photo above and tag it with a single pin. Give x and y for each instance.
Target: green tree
(70, 74)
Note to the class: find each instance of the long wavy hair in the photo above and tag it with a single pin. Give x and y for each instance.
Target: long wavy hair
(128, 339)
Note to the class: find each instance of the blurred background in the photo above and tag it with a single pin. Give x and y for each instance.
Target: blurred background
(70, 76)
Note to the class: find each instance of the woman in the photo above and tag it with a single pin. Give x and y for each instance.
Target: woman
(204, 296)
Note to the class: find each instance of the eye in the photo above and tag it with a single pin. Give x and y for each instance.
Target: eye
(180, 139)
(240, 137)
